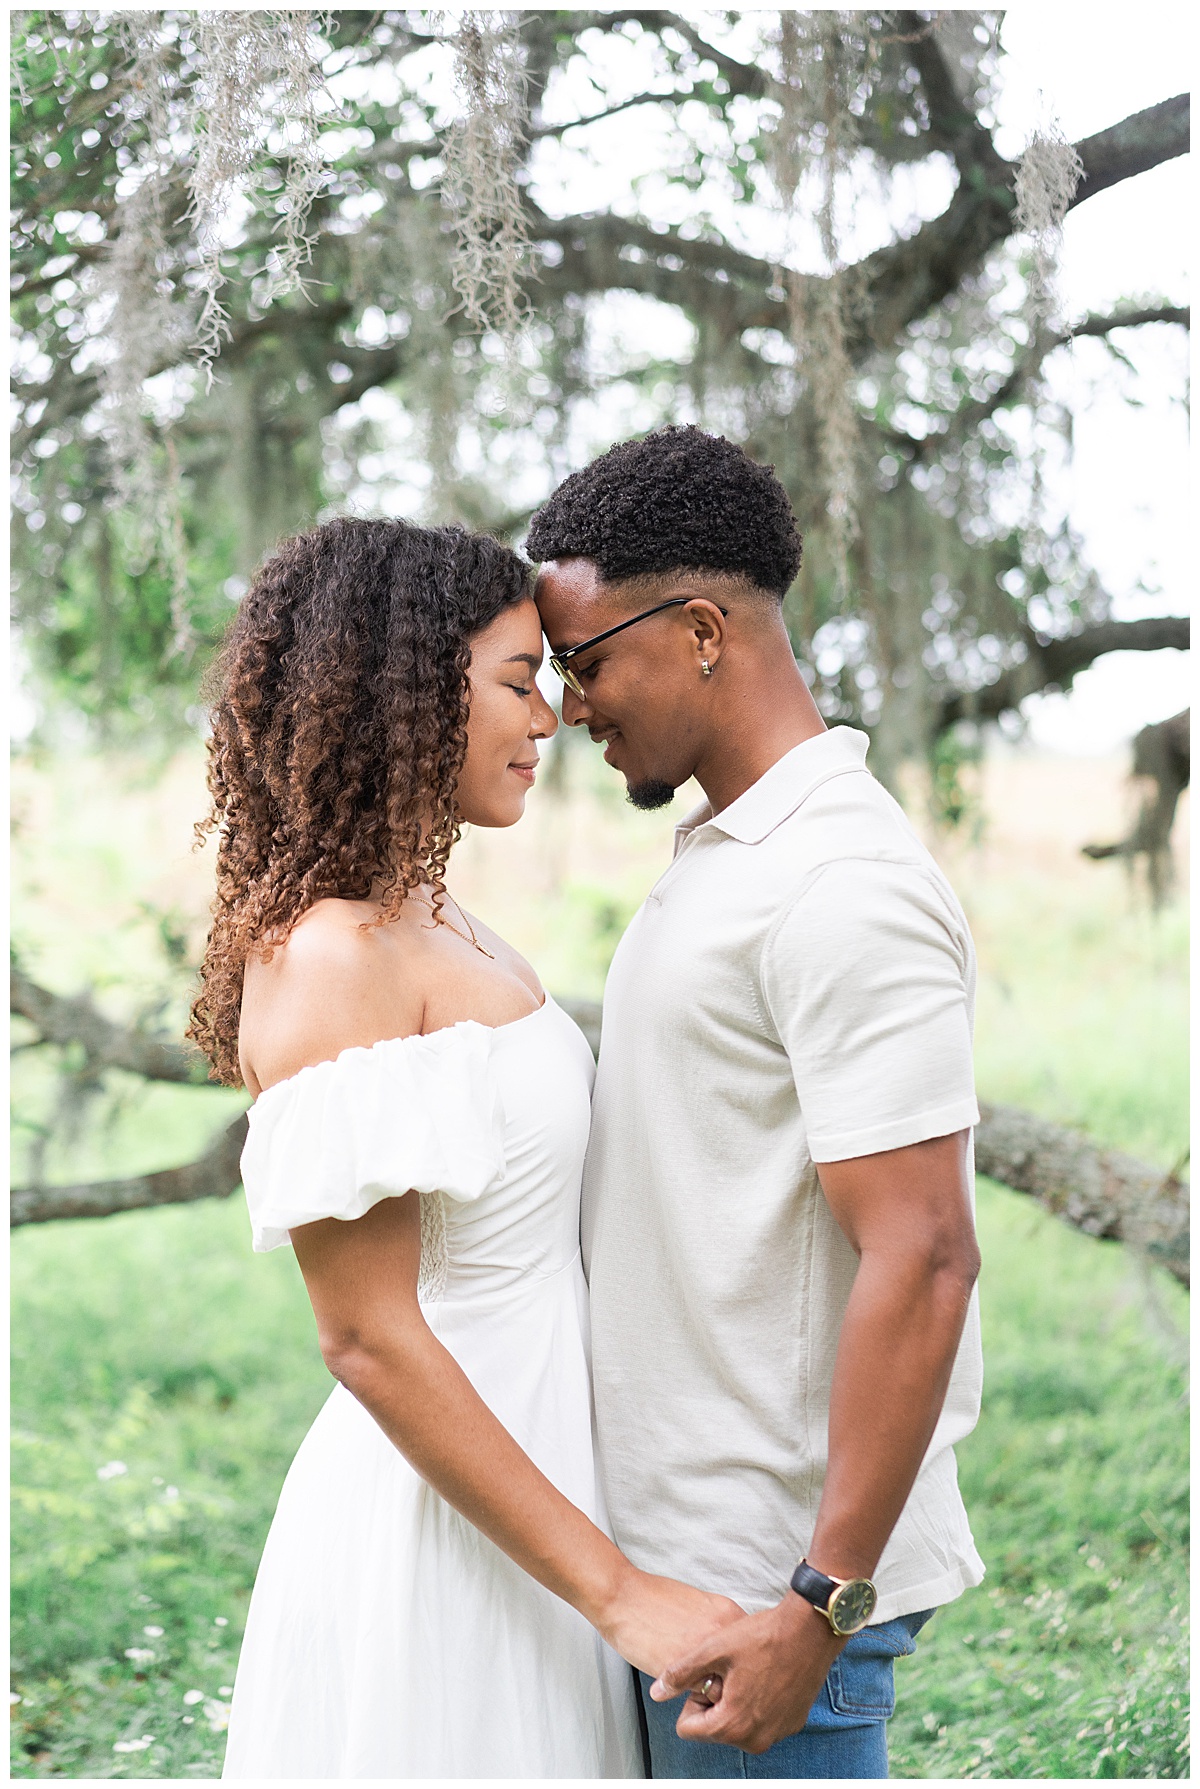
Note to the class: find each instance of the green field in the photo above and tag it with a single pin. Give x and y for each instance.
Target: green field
(163, 1375)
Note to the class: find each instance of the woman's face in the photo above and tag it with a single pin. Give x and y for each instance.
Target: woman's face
(508, 716)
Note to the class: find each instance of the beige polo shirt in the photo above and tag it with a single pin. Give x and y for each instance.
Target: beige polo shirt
(797, 988)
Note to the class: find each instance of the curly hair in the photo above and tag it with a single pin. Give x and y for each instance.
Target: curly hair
(339, 728)
(677, 500)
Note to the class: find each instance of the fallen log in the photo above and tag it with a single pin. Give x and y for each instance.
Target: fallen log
(215, 1175)
(1099, 1191)
(76, 1019)
(1102, 1192)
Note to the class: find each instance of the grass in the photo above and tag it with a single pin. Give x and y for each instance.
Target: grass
(1082, 1010)
(1071, 1659)
(163, 1379)
(163, 1375)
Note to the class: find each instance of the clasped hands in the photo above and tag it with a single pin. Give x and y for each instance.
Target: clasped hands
(770, 1668)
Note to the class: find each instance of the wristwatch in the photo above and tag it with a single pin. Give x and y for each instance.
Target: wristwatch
(846, 1603)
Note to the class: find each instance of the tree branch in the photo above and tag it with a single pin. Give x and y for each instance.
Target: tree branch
(742, 77)
(1130, 319)
(639, 99)
(62, 1019)
(1134, 146)
(1099, 1191)
(1052, 664)
(1063, 659)
(902, 281)
(65, 395)
(84, 254)
(370, 367)
(703, 254)
(216, 1175)
(952, 124)
(605, 252)
(295, 319)
(905, 280)
(69, 395)
(1011, 388)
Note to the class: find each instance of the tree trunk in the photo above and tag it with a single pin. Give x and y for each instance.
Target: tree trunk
(1162, 756)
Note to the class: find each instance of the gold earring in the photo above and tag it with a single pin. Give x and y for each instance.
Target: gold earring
(705, 668)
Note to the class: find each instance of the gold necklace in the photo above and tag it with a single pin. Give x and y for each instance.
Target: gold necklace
(443, 921)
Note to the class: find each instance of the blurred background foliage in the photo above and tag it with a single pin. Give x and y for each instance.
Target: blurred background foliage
(270, 266)
(343, 235)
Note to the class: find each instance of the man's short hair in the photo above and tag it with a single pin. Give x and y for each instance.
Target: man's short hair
(677, 500)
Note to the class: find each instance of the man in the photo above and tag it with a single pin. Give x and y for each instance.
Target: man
(778, 1223)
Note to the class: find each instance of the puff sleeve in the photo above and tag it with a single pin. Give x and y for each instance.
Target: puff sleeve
(411, 1114)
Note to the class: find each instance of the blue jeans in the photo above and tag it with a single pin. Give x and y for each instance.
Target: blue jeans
(845, 1734)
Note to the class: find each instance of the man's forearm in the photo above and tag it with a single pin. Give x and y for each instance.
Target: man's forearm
(897, 1346)
(907, 1214)
(895, 1353)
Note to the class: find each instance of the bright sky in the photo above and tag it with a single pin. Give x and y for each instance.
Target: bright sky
(1126, 484)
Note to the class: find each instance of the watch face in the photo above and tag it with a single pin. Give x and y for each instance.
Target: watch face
(851, 1607)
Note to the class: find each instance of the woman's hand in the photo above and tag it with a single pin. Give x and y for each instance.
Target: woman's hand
(653, 1621)
(362, 1279)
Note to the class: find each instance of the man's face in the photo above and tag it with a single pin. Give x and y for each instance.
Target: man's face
(644, 694)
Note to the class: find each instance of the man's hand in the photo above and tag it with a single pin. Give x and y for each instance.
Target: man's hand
(771, 1667)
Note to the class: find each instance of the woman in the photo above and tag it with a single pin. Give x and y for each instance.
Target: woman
(438, 1595)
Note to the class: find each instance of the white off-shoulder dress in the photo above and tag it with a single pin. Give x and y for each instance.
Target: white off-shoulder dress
(387, 1637)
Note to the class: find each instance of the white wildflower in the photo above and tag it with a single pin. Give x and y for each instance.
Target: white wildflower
(155, 1633)
(221, 1621)
(141, 1655)
(134, 1745)
(114, 1469)
(217, 1714)
(191, 1697)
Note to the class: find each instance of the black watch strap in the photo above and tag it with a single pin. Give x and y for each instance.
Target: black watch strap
(812, 1585)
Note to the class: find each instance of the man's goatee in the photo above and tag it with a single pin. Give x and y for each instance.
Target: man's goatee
(650, 794)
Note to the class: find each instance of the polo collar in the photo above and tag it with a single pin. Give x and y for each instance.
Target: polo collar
(780, 790)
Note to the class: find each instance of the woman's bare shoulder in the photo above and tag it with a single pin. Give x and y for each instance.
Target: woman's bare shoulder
(336, 982)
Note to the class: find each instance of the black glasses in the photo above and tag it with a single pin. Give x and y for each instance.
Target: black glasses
(559, 659)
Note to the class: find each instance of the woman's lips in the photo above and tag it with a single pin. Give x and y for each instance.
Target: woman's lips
(526, 771)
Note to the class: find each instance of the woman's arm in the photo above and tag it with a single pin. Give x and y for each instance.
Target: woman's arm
(362, 1280)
